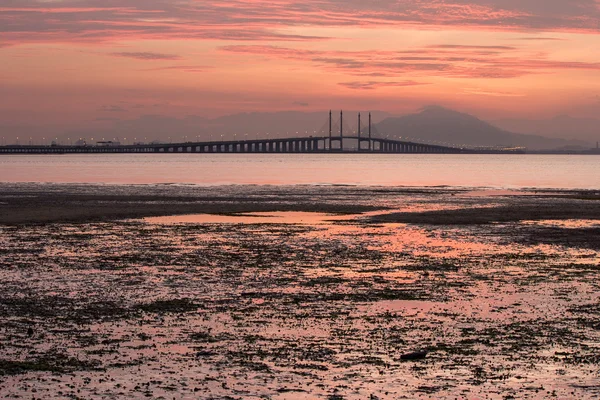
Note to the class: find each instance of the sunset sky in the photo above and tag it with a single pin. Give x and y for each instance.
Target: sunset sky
(71, 65)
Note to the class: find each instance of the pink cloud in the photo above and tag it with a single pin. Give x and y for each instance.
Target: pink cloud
(492, 93)
(99, 21)
(456, 61)
(183, 68)
(370, 85)
(147, 56)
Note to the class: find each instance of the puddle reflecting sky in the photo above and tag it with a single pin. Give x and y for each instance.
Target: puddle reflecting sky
(282, 217)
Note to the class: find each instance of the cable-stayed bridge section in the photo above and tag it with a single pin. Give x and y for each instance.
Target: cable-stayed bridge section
(335, 136)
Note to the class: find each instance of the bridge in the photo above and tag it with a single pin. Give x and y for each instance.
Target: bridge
(340, 142)
(288, 145)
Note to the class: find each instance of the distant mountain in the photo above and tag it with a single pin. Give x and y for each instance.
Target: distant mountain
(431, 124)
(561, 126)
(440, 124)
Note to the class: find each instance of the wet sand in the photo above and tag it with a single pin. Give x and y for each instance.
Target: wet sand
(33, 204)
(501, 291)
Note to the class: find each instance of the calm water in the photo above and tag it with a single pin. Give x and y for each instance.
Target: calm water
(502, 171)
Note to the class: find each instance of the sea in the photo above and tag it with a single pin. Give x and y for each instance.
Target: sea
(390, 170)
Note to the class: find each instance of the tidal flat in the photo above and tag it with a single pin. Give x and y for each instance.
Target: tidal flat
(298, 292)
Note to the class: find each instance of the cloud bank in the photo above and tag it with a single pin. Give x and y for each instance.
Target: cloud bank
(27, 21)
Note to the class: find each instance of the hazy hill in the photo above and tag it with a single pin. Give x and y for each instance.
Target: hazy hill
(431, 124)
(241, 125)
(561, 126)
(436, 123)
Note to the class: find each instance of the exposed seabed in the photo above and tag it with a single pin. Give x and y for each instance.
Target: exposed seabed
(298, 292)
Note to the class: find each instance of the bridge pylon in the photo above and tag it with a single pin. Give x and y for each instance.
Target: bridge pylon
(334, 139)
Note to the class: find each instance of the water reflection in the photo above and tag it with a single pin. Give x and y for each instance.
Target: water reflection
(276, 217)
(498, 171)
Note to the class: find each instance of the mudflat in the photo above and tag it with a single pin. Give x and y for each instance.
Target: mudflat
(498, 289)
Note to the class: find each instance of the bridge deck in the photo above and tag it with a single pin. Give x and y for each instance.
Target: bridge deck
(322, 144)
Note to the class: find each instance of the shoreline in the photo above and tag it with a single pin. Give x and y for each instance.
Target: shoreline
(38, 203)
